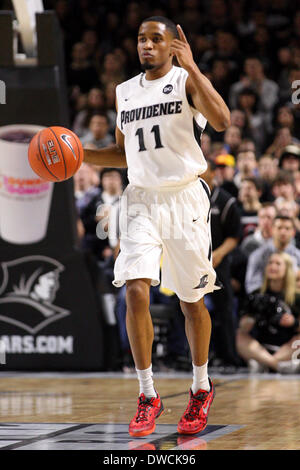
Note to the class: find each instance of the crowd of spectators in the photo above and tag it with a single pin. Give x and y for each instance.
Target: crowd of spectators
(250, 50)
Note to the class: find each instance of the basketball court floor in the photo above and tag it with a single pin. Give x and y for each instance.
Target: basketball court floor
(91, 411)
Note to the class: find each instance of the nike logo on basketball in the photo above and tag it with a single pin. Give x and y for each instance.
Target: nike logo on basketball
(203, 282)
(64, 138)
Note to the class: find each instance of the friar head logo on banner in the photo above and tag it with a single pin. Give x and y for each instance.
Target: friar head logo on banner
(28, 291)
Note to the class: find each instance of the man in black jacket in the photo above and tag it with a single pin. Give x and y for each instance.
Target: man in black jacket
(226, 232)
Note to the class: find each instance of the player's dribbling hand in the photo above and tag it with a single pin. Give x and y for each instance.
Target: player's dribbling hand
(181, 49)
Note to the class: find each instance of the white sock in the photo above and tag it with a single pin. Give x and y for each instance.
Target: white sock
(200, 378)
(146, 382)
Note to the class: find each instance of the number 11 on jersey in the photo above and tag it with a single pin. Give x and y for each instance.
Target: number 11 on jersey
(156, 132)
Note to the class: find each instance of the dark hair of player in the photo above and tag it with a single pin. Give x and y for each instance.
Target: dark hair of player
(169, 24)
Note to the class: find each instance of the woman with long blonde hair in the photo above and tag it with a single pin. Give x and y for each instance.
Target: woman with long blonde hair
(277, 283)
(269, 328)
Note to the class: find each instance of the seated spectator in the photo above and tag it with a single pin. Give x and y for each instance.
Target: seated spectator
(263, 232)
(201, 44)
(283, 138)
(246, 165)
(290, 209)
(247, 102)
(96, 168)
(190, 18)
(239, 118)
(80, 232)
(217, 148)
(285, 118)
(238, 269)
(249, 204)
(295, 27)
(267, 170)
(85, 188)
(269, 322)
(283, 187)
(283, 234)
(128, 44)
(224, 167)
(100, 239)
(107, 205)
(112, 70)
(220, 77)
(217, 17)
(289, 76)
(91, 41)
(81, 72)
(261, 45)
(110, 99)
(244, 24)
(290, 159)
(86, 193)
(284, 63)
(255, 78)
(206, 144)
(89, 15)
(226, 50)
(296, 111)
(232, 139)
(95, 103)
(98, 132)
(121, 56)
(78, 103)
(109, 27)
(247, 145)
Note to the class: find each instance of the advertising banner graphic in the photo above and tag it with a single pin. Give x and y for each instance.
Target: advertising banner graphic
(50, 316)
(29, 287)
(25, 199)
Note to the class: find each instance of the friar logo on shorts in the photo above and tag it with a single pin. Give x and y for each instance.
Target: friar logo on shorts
(203, 282)
(27, 292)
(167, 89)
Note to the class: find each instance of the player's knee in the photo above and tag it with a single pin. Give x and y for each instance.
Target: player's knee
(137, 292)
(193, 310)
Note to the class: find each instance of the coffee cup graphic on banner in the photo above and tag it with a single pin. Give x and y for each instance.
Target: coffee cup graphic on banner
(25, 199)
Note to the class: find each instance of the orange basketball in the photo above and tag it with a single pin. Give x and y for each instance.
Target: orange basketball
(55, 153)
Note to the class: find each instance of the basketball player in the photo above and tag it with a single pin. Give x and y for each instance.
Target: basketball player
(161, 115)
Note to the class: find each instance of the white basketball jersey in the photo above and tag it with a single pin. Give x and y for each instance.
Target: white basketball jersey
(162, 131)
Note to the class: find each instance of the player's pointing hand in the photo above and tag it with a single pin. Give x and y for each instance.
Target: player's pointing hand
(181, 48)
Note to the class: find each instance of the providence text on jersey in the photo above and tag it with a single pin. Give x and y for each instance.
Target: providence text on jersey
(146, 112)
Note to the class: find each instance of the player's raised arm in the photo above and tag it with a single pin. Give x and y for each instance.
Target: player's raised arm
(205, 98)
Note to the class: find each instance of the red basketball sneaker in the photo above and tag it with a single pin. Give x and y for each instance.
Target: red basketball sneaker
(143, 422)
(194, 418)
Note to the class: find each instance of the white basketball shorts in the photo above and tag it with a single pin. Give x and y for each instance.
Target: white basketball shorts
(173, 223)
